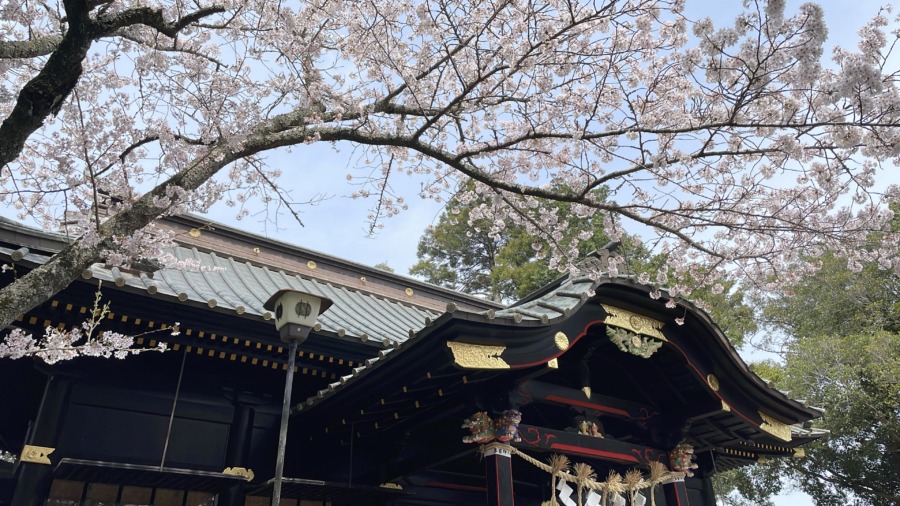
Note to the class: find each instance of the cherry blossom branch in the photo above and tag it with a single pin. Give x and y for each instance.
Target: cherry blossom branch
(44, 281)
(58, 344)
(703, 128)
(153, 18)
(481, 176)
(743, 152)
(173, 48)
(45, 93)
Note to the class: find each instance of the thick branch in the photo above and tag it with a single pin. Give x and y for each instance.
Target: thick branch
(106, 25)
(479, 175)
(40, 284)
(40, 46)
(46, 92)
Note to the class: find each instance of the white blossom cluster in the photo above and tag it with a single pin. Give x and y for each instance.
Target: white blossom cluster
(739, 151)
(85, 340)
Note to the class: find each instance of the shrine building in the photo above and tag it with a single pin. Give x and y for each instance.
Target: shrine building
(401, 393)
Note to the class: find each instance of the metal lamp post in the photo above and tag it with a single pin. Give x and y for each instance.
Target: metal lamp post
(295, 316)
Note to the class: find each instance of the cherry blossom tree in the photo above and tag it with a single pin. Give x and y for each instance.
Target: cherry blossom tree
(740, 150)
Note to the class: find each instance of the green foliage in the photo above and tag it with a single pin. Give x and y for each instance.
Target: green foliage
(843, 354)
(837, 301)
(730, 311)
(462, 254)
(741, 488)
(458, 256)
(856, 377)
(770, 370)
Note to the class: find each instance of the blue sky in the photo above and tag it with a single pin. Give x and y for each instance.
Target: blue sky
(337, 225)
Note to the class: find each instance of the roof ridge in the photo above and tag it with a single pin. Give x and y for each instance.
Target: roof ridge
(190, 228)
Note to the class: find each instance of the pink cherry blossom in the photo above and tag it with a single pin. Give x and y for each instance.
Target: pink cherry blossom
(739, 151)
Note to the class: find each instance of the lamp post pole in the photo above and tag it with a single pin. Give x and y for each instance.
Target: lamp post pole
(295, 316)
(282, 433)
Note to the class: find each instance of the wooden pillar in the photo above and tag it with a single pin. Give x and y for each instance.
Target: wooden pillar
(498, 475)
(237, 451)
(676, 493)
(33, 480)
(709, 493)
(681, 459)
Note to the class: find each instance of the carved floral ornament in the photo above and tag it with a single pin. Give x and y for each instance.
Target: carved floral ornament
(633, 333)
(713, 382)
(634, 322)
(778, 429)
(561, 341)
(477, 356)
(630, 342)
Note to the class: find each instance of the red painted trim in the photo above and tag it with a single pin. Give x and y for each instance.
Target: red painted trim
(595, 453)
(585, 404)
(668, 341)
(703, 379)
(497, 479)
(678, 496)
(571, 343)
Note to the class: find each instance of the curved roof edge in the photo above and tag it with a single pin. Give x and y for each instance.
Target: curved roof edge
(561, 304)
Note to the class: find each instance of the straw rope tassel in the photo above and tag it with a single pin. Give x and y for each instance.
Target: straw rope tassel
(558, 465)
(583, 474)
(632, 481)
(586, 478)
(657, 473)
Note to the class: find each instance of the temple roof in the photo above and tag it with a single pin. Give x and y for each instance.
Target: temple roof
(416, 325)
(239, 272)
(743, 408)
(555, 303)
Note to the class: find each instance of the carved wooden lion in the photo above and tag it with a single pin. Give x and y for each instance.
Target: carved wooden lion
(481, 427)
(508, 426)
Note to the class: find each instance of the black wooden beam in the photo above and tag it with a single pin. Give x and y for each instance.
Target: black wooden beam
(598, 405)
(570, 443)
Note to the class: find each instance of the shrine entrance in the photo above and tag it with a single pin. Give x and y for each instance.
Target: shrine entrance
(570, 399)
